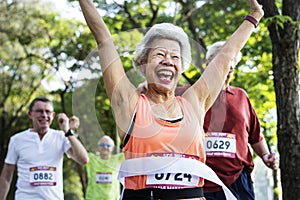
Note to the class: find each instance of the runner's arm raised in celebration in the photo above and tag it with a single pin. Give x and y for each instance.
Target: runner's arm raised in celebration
(207, 88)
(123, 95)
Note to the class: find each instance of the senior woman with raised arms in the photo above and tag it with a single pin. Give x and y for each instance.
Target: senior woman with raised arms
(163, 134)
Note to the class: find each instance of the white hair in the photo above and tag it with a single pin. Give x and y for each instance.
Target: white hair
(107, 138)
(163, 31)
(213, 49)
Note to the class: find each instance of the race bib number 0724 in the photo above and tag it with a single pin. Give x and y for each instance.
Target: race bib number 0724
(172, 180)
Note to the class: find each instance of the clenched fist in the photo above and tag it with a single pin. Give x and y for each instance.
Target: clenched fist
(74, 122)
(66, 123)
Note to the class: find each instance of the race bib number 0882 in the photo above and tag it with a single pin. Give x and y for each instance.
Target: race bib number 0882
(42, 176)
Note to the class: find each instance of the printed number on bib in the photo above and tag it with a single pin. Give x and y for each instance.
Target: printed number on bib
(104, 178)
(42, 176)
(172, 181)
(220, 144)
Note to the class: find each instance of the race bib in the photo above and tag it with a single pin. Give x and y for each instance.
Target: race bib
(103, 178)
(42, 176)
(218, 144)
(172, 180)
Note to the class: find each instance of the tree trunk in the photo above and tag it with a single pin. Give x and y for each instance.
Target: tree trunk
(285, 41)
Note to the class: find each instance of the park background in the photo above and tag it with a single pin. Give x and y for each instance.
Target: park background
(47, 49)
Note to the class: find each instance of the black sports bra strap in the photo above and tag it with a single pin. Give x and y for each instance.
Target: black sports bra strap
(128, 133)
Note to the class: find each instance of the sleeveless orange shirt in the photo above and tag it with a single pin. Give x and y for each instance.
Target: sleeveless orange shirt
(153, 136)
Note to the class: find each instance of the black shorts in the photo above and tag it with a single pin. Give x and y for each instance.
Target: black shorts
(162, 194)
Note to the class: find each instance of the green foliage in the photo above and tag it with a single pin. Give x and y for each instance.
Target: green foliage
(280, 20)
(72, 184)
(22, 65)
(217, 19)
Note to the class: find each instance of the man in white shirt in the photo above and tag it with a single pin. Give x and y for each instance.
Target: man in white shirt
(38, 153)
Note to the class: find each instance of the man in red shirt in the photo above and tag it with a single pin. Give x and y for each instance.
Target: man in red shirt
(230, 125)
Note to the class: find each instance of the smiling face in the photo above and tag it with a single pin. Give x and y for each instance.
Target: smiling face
(163, 68)
(41, 115)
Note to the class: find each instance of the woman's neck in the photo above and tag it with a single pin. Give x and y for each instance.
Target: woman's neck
(165, 106)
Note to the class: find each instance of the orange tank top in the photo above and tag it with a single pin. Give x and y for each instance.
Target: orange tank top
(152, 136)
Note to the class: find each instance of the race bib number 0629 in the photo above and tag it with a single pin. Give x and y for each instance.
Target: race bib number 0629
(219, 144)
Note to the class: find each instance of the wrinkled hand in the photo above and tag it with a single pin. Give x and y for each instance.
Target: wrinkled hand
(271, 161)
(63, 122)
(256, 10)
(74, 122)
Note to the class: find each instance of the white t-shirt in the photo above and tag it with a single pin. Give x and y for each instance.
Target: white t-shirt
(39, 164)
